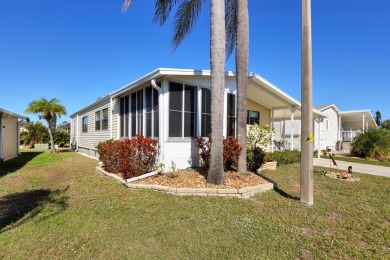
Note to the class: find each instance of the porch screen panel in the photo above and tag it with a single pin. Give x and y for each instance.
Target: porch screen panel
(231, 115)
(148, 110)
(133, 114)
(175, 109)
(140, 105)
(206, 113)
(190, 102)
(124, 116)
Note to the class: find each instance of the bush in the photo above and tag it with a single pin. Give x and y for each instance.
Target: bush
(373, 144)
(231, 150)
(109, 155)
(61, 138)
(254, 158)
(131, 157)
(284, 157)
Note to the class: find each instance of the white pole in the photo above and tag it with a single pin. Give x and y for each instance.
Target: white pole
(292, 129)
(306, 178)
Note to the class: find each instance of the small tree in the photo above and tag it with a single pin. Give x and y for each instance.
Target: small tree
(386, 124)
(378, 118)
(35, 133)
(47, 110)
(258, 138)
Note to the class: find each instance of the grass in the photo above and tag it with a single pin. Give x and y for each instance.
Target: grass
(73, 212)
(359, 160)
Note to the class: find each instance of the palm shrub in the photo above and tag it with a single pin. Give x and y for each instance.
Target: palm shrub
(35, 133)
(372, 143)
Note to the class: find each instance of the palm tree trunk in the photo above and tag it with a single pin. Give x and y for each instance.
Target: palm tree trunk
(53, 150)
(242, 56)
(217, 55)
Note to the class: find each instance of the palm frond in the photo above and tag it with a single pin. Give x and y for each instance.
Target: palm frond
(185, 18)
(230, 26)
(126, 5)
(162, 10)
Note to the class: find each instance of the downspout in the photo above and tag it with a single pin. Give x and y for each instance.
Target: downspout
(160, 121)
(18, 141)
(77, 132)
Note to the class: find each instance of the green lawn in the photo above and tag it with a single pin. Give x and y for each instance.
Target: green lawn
(57, 206)
(358, 160)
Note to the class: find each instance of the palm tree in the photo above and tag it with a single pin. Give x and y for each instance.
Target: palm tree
(237, 36)
(185, 17)
(47, 110)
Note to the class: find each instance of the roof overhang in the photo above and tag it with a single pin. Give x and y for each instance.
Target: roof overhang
(354, 119)
(7, 113)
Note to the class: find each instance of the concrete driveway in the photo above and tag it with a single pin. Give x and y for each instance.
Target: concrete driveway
(356, 167)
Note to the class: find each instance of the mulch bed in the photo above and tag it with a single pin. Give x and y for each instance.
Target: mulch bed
(195, 178)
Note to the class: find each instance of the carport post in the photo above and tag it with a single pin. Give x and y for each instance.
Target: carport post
(306, 178)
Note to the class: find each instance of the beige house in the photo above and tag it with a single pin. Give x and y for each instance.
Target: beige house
(9, 134)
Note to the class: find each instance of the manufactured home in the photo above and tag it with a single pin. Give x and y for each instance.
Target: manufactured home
(333, 132)
(174, 107)
(9, 134)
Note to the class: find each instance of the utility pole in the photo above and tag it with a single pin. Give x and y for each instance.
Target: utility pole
(307, 108)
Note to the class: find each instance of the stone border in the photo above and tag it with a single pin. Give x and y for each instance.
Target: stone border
(268, 166)
(246, 192)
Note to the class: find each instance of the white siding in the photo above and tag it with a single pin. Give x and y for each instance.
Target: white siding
(329, 129)
(10, 137)
(202, 81)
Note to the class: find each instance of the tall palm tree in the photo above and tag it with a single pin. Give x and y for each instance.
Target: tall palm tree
(237, 36)
(185, 17)
(47, 110)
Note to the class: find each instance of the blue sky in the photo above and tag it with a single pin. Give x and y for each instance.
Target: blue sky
(78, 51)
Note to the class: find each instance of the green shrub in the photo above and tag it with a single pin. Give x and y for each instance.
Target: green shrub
(61, 138)
(284, 157)
(254, 158)
(372, 143)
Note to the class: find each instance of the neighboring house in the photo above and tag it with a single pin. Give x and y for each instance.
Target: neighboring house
(9, 134)
(335, 132)
(64, 127)
(174, 106)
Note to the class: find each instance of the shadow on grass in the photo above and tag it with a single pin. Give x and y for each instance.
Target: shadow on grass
(277, 189)
(18, 208)
(17, 163)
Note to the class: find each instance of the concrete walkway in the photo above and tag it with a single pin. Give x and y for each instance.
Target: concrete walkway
(356, 167)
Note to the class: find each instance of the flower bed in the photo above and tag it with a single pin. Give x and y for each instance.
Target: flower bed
(193, 183)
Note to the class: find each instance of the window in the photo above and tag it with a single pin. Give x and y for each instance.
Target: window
(206, 113)
(231, 115)
(137, 109)
(124, 116)
(105, 119)
(253, 117)
(85, 124)
(182, 110)
(97, 120)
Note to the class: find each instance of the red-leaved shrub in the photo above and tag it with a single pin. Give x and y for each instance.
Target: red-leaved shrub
(135, 156)
(109, 155)
(231, 150)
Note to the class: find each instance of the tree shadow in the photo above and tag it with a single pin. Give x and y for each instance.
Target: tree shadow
(277, 189)
(18, 208)
(17, 163)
